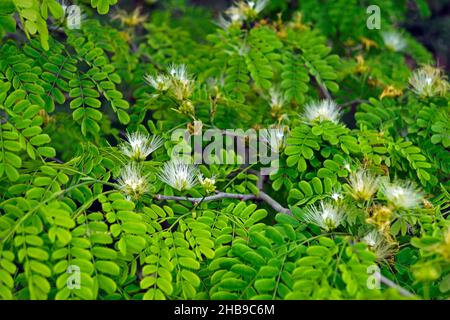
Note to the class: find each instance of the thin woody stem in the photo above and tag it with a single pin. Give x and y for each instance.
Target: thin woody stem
(392, 284)
(223, 195)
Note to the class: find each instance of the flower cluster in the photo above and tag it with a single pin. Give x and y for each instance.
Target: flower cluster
(176, 173)
(177, 83)
(394, 198)
(399, 194)
(137, 148)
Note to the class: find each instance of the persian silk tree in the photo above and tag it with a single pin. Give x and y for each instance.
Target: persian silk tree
(266, 151)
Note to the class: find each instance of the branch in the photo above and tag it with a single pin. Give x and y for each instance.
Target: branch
(349, 103)
(56, 160)
(325, 91)
(273, 203)
(223, 195)
(392, 284)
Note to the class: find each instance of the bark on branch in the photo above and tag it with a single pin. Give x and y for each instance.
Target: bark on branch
(223, 195)
(392, 284)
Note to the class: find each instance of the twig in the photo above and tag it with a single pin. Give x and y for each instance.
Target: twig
(223, 195)
(324, 90)
(56, 160)
(273, 203)
(392, 284)
(349, 103)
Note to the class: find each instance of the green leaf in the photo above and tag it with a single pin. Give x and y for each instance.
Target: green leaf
(40, 139)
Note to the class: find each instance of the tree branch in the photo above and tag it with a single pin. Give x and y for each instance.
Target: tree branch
(349, 103)
(223, 195)
(324, 90)
(392, 284)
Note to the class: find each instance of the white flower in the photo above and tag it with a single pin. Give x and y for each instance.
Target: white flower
(233, 18)
(336, 196)
(179, 72)
(241, 11)
(181, 82)
(394, 40)
(139, 145)
(347, 167)
(132, 182)
(402, 195)
(208, 184)
(277, 99)
(372, 238)
(235, 14)
(177, 81)
(223, 22)
(179, 175)
(274, 138)
(378, 244)
(428, 81)
(324, 110)
(257, 5)
(160, 82)
(363, 185)
(326, 216)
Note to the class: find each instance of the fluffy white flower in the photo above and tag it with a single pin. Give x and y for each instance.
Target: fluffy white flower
(132, 182)
(394, 40)
(336, 196)
(324, 110)
(140, 145)
(378, 244)
(177, 81)
(241, 11)
(372, 238)
(274, 138)
(363, 185)
(181, 82)
(257, 5)
(402, 195)
(428, 81)
(179, 175)
(179, 72)
(326, 216)
(277, 99)
(223, 22)
(160, 82)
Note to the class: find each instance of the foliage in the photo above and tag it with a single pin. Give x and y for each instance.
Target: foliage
(361, 186)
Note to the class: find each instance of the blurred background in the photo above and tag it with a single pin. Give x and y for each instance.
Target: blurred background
(432, 31)
(430, 26)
